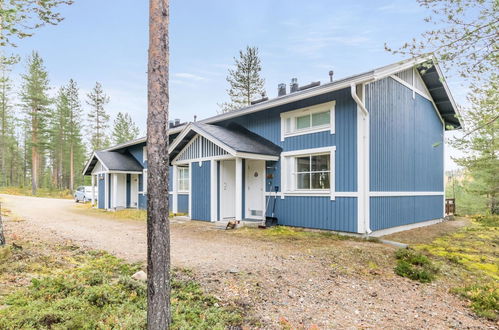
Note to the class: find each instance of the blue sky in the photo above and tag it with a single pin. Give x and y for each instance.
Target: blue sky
(106, 41)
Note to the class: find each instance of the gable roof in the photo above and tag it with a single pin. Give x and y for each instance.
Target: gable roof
(427, 66)
(114, 162)
(234, 139)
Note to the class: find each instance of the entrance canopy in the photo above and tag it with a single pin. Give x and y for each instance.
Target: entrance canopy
(113, 161)
(203, 141)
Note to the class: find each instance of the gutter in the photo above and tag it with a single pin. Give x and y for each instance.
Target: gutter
(353, 92)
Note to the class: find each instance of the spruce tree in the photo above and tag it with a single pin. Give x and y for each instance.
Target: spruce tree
(480, 143)
(98, 118)
(245, 81)
(124, 128)
(36, 102)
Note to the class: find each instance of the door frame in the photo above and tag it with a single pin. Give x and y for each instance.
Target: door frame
(264, 208)
(221, 179)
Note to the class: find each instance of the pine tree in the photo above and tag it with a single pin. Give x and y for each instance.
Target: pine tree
(7, 138)
(75, 142)
(98, 118)
(124, 128)
(58, 137)
(245, 81)
(480, 143)
(35, 102)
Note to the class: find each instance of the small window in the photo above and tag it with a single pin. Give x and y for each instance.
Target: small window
(144, 154)
(309, 120)
(183, 179)
(313, 172)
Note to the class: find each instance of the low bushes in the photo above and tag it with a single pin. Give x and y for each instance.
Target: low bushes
(415, 266)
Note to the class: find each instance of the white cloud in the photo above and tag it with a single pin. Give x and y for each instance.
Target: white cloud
(189, 76)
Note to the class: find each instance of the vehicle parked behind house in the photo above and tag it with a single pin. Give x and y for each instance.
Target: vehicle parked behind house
(83, 194)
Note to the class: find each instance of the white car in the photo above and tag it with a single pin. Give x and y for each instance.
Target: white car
(84, 194)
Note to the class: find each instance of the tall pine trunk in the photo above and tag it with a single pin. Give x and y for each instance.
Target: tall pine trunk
(71, 168)
(158, 227)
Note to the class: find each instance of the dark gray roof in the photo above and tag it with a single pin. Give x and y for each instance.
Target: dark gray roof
(115, 161)
(240, 139)
(234, 136)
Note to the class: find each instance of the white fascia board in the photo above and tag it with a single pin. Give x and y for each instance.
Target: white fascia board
(100, 160)
(203, 134)
(179, 138)
(125, 172)
(88, 163)
(447, 90)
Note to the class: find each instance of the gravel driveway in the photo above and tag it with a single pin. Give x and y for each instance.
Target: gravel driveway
(337, 284)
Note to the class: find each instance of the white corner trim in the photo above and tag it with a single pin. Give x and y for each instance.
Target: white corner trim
(239, 189)
(190, 192)
(175, 189)
(397, 229)
(213, 190)
(405, 193)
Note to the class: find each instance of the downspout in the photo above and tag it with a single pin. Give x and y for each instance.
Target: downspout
(353, 92)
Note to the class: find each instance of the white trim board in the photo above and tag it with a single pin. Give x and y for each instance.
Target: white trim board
(405, 193)
(392, 230)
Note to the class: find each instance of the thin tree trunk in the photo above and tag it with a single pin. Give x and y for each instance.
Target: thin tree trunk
(158, 227)
(71, 168)
(34, 170)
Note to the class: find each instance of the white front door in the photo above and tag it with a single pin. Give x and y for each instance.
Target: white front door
(134, 191)
(227, 189)
(255, 189)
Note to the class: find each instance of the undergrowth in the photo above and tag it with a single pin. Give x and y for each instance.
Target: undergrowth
(74, 289)
(41, 192)
(469, 259)
(415, 266)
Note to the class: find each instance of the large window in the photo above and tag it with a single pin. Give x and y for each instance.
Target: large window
(308, 172)
(183, 179)
(312, 172)
(309, 120)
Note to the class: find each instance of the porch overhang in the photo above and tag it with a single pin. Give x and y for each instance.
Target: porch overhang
(234, 140)
(113, 162)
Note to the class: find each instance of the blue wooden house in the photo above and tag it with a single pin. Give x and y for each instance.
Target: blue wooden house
(364, 154)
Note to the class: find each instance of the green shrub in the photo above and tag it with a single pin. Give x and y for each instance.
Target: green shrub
(415, 266)
(490, 220)
(484, 299)
(97, 292)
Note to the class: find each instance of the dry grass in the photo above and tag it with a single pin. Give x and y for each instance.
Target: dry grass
(41, 192)
(125, 214)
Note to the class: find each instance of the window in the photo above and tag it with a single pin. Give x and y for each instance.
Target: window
(309, 120)
(308, 172)
(144, 154)
(183, 179)
(312, 172)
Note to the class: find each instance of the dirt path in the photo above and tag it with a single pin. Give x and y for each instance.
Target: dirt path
(331, 284)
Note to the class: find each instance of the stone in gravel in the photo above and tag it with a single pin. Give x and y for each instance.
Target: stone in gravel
(140, 276)
(234, 271)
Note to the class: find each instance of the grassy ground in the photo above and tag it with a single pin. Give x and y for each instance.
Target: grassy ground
(41, 192)
(64, 287)
(130, 214)
(466, 252)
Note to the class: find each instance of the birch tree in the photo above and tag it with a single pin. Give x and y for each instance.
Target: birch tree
(158, 226)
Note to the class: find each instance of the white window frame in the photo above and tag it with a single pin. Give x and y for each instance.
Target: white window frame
(179, 178)
(288, 163)
(293, 115)
(144, 153)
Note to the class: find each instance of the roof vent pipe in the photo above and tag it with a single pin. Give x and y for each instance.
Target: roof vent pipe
(331, 73)
(177, 121)
(294, 85)
(281, 89)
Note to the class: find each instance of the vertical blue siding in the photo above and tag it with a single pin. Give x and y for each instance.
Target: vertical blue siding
(183, 203)
(316, 212)
(387, 212)
(201, 191)
(406, 139)
(101, 203)
(110, 183)
(128, 189)
(137, 151)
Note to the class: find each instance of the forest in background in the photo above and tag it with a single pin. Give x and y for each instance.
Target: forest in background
(45, 140)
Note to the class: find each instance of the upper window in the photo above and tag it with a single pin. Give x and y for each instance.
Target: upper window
(144, 181)
(309, 120)
(312, 172)
(183, 179)
(144, 154)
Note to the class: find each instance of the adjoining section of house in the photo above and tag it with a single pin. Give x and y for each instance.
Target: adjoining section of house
(364, 154)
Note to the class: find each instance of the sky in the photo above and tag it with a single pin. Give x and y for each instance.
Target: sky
(106, 41)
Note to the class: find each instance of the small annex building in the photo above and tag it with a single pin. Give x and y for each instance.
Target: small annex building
(364, 154)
